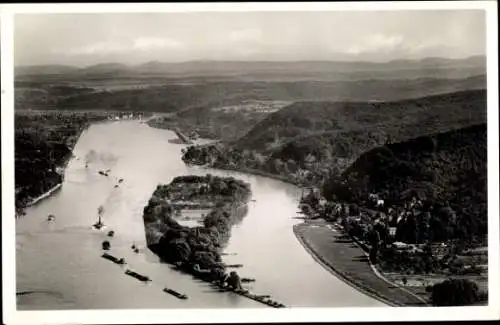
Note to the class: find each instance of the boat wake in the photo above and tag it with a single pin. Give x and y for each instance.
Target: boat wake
(45, 292)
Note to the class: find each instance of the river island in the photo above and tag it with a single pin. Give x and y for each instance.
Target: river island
(197, 250)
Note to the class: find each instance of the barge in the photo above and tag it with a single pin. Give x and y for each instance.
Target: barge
(138, 276)
(175, 293)
(114, 259)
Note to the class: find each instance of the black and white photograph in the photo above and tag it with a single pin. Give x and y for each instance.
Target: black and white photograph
(245, 158)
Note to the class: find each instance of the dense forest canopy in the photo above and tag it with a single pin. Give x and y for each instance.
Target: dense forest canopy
(43, 142)
(309, 142)
(396, 120)
(447, 171)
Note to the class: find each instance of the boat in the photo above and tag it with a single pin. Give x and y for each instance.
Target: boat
(106, 245)
(98, 225)
(138, 276)
(247, 280)
(216, 284)
(116, 260)
(103, 173)
(120, 180)
(175, 293)
(233, 266)
(111, 233)
(264, 299)
(51, 217)
(116, 185)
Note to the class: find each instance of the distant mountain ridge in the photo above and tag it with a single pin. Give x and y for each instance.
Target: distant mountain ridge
(293, 68)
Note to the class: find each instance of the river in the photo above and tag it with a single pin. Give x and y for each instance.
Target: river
(58, 263)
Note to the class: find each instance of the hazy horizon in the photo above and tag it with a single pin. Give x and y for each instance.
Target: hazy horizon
(83, 40)
(250, 61)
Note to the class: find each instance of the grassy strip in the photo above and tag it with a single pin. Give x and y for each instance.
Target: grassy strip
(341, 260)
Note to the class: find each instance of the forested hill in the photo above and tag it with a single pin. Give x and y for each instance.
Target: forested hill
(446, 169)
(315, 125)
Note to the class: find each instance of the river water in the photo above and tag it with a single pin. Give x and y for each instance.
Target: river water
(59, 265)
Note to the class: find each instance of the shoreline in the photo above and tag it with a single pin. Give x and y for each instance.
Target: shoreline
(359, 276)
(64, 165)
(326, 264)
(207, 270)
(45, 195)
(335, 266)
(252, 171)
(338, 274)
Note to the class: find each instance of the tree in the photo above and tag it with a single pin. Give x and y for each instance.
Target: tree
(410, 230)
(292, 165)
(353, 209)
(455, 292)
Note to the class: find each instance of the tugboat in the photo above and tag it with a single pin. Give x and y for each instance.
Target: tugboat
(98, 225)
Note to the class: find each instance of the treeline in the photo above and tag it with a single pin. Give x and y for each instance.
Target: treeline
(43, 144)
(190, 246)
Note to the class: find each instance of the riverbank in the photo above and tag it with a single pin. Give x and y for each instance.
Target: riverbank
(63, 167)
(256, 172)
(340, 255)
(345, 260)
(44, 195)
(197, 250)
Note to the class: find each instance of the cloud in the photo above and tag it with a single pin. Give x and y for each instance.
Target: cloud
(95, 48)
(378, 43)
(245, 35)
(152, 43)
(139, 44)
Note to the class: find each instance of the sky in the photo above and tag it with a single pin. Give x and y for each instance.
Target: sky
(135, 38)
